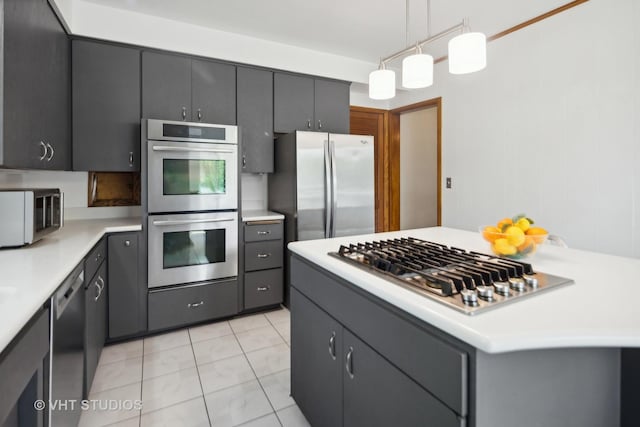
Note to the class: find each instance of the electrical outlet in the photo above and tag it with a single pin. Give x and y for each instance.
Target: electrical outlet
(448, 182)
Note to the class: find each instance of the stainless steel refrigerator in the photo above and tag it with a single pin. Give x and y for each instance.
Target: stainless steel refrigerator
(323, 183)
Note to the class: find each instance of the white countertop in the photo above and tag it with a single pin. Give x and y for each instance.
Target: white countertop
(598, 310)
(31, 274)
(260, 215)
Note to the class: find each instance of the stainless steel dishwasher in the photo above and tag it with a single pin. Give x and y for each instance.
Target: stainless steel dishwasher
(67, 346)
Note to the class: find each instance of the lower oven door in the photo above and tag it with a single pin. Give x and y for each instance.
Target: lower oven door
(185, 248)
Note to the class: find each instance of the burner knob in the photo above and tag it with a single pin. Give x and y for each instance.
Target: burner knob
(531, 280)
(469, 297)
(517, 284)
(502, 287)
(485, 292)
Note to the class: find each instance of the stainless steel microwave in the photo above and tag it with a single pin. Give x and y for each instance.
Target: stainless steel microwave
(27, 215)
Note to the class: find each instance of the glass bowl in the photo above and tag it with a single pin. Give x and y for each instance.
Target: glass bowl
(514, 244)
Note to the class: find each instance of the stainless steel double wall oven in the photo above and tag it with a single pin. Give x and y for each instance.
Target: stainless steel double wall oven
(192, 201)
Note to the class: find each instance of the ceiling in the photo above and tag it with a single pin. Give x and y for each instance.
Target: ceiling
(359, 29)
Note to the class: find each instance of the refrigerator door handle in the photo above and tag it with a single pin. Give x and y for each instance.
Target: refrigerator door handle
(327, 190)
(334, 187)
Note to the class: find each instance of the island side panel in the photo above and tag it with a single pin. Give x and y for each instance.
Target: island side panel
(569, 387)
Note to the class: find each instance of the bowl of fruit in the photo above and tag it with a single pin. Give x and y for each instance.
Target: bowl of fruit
(514, 238)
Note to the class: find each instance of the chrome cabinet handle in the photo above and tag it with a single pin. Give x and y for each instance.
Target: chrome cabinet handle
(195, 304)
(263, 233)
(46, 150)
(349, 362)
(184, 113)
(308, 123)
(244, 160)
(100, 282)
(130, 159)
(52, 152)
(189, 221)
(263, 288)
(127, 243)
(189, 149)
(98, 292)
(264, 255)
(199, 114)
(100, 285)
(332, 345)
(319, 124)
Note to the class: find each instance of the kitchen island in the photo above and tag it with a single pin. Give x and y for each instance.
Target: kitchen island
(396, 357)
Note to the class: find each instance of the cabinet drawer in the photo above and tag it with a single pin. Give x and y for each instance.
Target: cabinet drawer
(173, 307)
(263, 255)
(262, 288)
(94, 259)
(268, 230)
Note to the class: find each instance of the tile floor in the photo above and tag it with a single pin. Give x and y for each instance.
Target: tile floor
(230, 373)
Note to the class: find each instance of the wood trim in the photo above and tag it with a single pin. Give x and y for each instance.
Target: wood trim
(394, 154)
(525, 24)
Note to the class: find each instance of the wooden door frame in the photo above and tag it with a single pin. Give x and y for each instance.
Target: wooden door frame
(393, 183)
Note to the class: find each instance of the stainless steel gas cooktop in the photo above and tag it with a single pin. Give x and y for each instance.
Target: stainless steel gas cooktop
(468, 281)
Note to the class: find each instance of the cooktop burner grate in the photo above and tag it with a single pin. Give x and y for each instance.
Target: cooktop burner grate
(465, 280)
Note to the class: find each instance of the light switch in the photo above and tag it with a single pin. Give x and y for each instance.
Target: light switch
(448, 182)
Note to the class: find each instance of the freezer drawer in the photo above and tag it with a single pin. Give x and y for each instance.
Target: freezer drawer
(263, 255)
(184, 305)
(262, 288)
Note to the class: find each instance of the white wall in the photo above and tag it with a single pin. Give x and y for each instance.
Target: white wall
(550, 128)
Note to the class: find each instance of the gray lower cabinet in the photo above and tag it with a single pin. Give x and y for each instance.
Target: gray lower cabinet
(307, 103)
(105, 107)
(36, 80)
(127, 295)
(184, 305)
(255, 119)
(181, 88)
(95, 327)
(262, 263)
(23, 370)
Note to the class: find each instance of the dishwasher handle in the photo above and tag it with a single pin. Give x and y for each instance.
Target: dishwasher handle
(65, 293)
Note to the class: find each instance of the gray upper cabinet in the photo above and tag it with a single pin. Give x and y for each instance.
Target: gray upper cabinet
(305, 103)
(292, 103)
(213, 92)
(166, 86)
(331, 106)
(36, 79)
(180, 88)
(255, 118)
(106, 107)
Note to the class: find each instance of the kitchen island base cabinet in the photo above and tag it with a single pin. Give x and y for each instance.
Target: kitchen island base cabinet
(185, 305)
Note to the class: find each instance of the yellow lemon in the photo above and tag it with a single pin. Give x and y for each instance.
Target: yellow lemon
(514, 235)
(523, 224)
(503, 247)
(504, 223)
(490, 233)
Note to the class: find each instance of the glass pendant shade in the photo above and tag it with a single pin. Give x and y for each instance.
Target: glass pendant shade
(417, 71)
(382, 84)
(467, 53)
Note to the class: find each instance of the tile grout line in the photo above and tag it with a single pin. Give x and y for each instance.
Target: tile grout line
(206, 407)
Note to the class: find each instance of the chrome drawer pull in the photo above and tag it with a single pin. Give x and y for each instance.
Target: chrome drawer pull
(349, 363)
(263, 233)
(264, 255)
(263, 288)
(195, 304)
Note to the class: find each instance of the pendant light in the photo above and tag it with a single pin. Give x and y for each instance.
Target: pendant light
(382, 83)
(467, 52)
(417, 70)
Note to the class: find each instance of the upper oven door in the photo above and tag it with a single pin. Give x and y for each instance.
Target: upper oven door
(191, 176)
(187, 248)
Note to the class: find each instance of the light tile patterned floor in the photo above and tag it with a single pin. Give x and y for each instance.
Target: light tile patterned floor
(230, 373)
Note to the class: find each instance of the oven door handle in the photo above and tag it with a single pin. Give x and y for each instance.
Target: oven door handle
(190, 150)
(189, 221)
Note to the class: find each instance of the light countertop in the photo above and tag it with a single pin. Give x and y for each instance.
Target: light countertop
(31, 274)
(598, 310)
(260, 215)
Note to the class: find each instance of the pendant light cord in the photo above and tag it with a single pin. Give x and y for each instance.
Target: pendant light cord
(406, 23)
(428, 18)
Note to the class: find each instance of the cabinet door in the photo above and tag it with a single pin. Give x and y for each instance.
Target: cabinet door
(95, 324)
(213, 92)
(376, 393)
(126, 314)
(316, 363)
(166, 86)
(292, 103)
(106, 107)
(331, 106)
(36, 88)
(255, 119)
